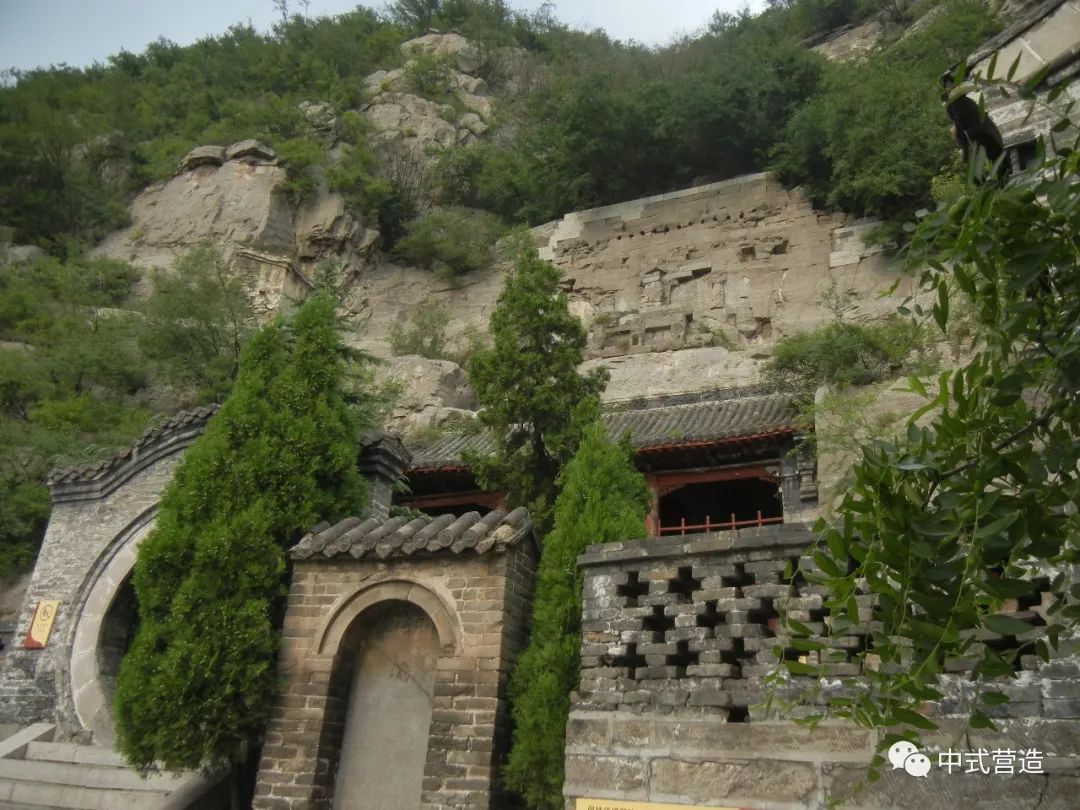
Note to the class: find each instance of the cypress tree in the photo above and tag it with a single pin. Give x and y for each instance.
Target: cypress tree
(535, 402)
(195, 689)
(603, 498)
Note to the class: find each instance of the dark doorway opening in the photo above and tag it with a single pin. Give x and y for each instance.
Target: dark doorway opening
(117, 632)
(716, 502)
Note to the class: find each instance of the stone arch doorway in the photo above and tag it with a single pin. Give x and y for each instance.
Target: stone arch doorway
(388, 659)
(106, 623)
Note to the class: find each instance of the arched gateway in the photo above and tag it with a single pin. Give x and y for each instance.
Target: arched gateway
(100, 514)
(397, 646)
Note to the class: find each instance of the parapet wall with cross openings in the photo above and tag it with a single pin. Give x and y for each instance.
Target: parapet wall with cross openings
(678, 635)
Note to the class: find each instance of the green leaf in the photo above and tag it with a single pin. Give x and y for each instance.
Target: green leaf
(902, 715)
(941, 309)
(980, 720)
(827, 564)
(1006, 625)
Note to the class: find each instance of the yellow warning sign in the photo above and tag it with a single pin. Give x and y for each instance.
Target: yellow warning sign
(621, 804)
(41, 626)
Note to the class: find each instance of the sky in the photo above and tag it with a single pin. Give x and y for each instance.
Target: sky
(39, 33)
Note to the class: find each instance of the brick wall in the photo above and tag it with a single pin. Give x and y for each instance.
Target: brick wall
(478, 603)
(678, 636)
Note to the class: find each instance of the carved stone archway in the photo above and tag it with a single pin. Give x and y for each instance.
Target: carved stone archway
(92, 706)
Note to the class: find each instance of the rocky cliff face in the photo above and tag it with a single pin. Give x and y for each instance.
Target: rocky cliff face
(680, 292)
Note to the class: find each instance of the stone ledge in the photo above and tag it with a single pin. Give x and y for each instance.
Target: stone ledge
(796, 535)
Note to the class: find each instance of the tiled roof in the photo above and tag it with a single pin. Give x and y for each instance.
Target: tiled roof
(184, 421)
(654, 424)
(422, 536)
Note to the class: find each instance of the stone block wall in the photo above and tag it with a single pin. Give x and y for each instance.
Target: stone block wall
(678, 635)
(479, 605)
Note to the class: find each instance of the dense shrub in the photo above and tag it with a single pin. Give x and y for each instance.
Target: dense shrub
(840, 353)
(424, 334)
(76, 370)
(451, 241)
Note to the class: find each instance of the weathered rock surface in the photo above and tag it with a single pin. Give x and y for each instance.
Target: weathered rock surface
(389, 293)
(398, 112)
(203, 156)
(851, 42)
(689, 370)
(320, 115)
(20, 254)
(744, 259)
(464, 53)
(418, 123)
(433, 391)
(325, 228)
(233, 204)
(250, 148)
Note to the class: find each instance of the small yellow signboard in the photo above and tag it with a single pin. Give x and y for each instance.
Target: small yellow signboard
(41, 625)
(621, 804)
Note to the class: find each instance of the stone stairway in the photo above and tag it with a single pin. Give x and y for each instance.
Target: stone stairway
(38, 773)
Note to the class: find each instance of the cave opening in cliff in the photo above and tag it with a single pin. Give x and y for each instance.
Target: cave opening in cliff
(715, 504)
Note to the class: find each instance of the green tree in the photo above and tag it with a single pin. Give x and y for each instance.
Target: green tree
(974, 506)
(535, 402)
(875, 135)
(603, 498)
(197, 320)
(280, 455)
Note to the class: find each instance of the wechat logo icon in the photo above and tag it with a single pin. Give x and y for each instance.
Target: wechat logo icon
(905, 755)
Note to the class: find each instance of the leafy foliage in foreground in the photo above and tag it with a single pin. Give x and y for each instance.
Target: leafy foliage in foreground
(535, 402)
(280, 455)
(945, 526)
(603, 498)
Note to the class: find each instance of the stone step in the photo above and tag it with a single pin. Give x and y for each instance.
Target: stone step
(82, 775)
(70, 797)
(74, 752)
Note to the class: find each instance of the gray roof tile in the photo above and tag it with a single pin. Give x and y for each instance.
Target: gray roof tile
(723, 415)
(424, 535)
(163, 429)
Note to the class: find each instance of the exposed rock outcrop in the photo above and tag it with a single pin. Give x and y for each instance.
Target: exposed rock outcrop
(202, 156)
(432, 391)
(320, 115)
(235, 203)
(463, 52)
(398, 110)
(19, 254)
(686, 371)
(251, 149)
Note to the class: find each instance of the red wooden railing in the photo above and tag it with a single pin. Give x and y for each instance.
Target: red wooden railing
(709, 526)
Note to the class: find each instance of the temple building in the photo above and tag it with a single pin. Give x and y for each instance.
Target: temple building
(716, 460)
